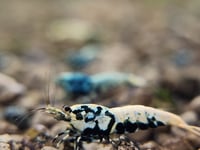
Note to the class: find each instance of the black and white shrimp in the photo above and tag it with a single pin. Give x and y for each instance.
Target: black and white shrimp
(89, 122)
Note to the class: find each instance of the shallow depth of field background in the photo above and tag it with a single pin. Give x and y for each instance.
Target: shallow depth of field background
(157, 40)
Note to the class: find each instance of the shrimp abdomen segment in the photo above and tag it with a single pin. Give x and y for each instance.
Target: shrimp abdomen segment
(134, 117)
(137, 117)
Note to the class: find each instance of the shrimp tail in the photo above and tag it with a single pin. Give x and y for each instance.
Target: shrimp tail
(136, 81)
(178, 122)
(193, 129)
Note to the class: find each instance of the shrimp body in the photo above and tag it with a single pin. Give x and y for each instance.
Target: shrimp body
(132, 118)
(106, 81)
(80, 84)
(75, 84)
(91, 121)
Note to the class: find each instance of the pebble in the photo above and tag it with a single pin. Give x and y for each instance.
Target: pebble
(4, 146)
(10, 89)
(177, 144)
(159, 138)
(8, 137)
(6, 127)
(10, 64)
(141, 96)
(3, 61)
(183, 57)
(172, 142)
(182, 87)
(12, 142)
(17, 116)
(141, 135)
(58, 127)
(92, 146)
(48, 148)
(193, 139)
(75, 31)
(106, 61)
(195, 104)
(31, 99)
(150, 145)
(190, 117)
(35, 130)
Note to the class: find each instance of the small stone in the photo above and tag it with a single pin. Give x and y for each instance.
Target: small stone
(14, 141)
(36, 130)
(190, 117)
(4, 146)
(10, 64)
(6, 127)
(195, 104)
(106, 61)
(177, 144)
(193, 139)
(31, 99)
(159, 138)
(3, 61)
(48, 148)
(183, 57)
(141, 135)
(7, 138)
(10, 89)
(150, 145)
(91, 146)
(17, 116)
(58, 127)
(75, 31)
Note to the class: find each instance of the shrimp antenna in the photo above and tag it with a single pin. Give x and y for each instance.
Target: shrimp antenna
(47, 89)
(54, 94)
(49, 94)
(22, 118)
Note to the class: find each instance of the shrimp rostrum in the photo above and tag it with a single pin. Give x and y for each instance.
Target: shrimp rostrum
(89, 122)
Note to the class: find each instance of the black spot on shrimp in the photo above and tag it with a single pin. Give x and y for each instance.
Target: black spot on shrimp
(99, 109)
(97, 129)
(142, 126)
(129, 126)
(92, 131)
(120, 128)
(151, 123)
(159, 123)
(111, 123)
(154, 123)
(79, 116)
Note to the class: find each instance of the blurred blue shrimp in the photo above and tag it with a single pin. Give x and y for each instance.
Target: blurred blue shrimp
(81, 84)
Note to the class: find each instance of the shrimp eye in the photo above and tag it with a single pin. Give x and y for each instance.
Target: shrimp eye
(67, 108)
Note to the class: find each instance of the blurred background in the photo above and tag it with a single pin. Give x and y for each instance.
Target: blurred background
(155, 40)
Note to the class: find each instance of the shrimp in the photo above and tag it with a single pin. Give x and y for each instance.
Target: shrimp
(91, 122)
(80, 84)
